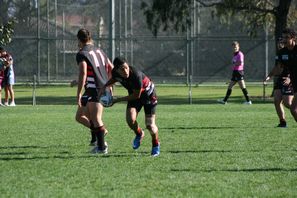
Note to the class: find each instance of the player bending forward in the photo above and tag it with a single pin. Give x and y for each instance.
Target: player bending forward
(141, 93)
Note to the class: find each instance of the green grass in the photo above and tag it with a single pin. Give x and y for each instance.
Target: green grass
(207, 149)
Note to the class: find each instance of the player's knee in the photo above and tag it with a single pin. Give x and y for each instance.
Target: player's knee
(77, 118)
(152, 128)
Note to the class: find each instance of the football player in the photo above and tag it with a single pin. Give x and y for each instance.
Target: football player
(282, 93)
(141, 93)
(94, 69)
(287, 58)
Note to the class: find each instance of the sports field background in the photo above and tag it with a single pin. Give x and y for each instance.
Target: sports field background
(207, 149)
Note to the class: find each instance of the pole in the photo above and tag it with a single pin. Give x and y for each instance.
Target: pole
(34, 91)
(266, 59)
(38, 41)
(111, 29)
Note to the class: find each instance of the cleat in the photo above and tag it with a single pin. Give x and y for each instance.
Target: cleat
(12, 104)
(282, 125)
(93, 143)
(1, 105)
(96, 150)
(6, 104)
(155, 151)
(137, 140)
(248, 103)
(221, 101)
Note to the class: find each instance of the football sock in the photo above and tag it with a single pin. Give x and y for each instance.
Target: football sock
(155, 140)
(138, 131)
(99, 131)
(246, 95)
(228, 93)
(282, 121)
(93, 134)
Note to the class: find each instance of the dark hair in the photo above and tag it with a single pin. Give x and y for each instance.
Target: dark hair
(83, 35)
(2, 49)
(118, 61)
(289, 31)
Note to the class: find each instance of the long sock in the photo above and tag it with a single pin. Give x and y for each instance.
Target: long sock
(282, 121)
(99, 131)
(93, 134)
(246, 94)
(138, 131)
(155, 140)
(228, 93)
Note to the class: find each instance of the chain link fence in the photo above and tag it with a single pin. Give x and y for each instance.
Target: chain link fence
(45, 44)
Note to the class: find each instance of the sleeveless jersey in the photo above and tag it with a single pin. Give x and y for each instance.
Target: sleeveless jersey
(95, 59)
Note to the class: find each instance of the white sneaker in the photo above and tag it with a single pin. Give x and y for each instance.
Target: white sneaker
(12, 104)
(248, 103)
(96, 150)
(6, 104)
(1, 105)
(221, 101)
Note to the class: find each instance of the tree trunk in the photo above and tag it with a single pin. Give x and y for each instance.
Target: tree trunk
(281, 17)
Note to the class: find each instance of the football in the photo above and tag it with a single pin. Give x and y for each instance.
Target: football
(106, 99)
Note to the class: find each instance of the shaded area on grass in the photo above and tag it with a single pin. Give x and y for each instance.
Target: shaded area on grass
(164, 100)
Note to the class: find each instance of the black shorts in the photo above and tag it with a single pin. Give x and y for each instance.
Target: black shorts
(285, 89)
(84, 99)
(237, 75)
(149, 103)
(90, 95)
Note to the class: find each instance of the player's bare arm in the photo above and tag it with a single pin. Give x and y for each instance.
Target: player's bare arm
(134, 96)
(276, 70)
(81, 79)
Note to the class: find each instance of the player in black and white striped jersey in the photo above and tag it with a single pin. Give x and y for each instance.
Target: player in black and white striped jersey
(94, 71)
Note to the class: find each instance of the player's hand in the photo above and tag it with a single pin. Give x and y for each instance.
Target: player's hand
(79, 101)
(286, 81)
(101, 91)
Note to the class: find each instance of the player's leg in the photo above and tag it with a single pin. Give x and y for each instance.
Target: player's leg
(150, 122)
(287, 100)
(131, 119)
(242, 86)
(293, 107)
(153, 129)
(95, 110)
(6, 97)
(279, 108)
(229, 90)
(11, 93)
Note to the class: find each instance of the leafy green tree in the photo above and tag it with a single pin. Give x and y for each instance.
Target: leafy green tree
(6, 32)
(6, 22)
(254, 14)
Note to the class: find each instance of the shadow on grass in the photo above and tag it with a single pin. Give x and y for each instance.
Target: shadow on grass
(35, 155)
(191, 128)
(164, 100)
(239, 170)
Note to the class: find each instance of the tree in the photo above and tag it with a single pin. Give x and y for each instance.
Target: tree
(6, 32)
(6, 23)
(176, 14)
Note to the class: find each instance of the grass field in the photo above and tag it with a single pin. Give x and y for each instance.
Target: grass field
(207, 149)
